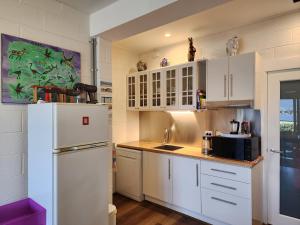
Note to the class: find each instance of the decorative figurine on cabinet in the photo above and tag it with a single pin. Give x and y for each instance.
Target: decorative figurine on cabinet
(192, 50)
(164, 62)
(141, 66)
(232, 46)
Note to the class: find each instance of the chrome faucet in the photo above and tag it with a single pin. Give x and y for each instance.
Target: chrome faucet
(167, 135)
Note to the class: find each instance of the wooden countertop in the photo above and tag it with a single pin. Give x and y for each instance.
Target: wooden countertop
(189, 151)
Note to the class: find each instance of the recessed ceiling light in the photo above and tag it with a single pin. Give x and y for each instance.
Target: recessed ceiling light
(167, 35)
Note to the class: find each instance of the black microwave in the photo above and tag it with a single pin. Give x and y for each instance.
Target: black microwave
(236, 148)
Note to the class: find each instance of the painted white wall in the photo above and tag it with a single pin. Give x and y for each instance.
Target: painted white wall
(125, 124)
(115, 14)
(274, 38)
(49, 22)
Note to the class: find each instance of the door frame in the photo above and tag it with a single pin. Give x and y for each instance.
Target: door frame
(272, 65)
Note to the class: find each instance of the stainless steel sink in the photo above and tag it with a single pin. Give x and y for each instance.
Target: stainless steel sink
(168, 147)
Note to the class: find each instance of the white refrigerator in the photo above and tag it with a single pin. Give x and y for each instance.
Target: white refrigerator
(68, 152)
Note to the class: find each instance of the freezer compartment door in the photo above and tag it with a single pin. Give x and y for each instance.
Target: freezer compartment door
(79, 124)
(81, 187)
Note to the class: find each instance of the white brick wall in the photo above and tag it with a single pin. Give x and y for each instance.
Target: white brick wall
(273, 38)
(49, 22)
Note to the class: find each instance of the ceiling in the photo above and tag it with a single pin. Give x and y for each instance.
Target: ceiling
(224, 17)
(87, 6)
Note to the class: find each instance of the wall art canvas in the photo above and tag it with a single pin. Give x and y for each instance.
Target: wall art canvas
(26, 63)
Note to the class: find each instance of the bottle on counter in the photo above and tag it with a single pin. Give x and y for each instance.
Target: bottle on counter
(207, 143)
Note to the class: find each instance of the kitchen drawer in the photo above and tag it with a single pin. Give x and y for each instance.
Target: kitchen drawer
(226, 171)
(226, 208)
(134, 154)
(226, 186)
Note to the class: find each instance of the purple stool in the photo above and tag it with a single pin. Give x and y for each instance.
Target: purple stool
(24, 212)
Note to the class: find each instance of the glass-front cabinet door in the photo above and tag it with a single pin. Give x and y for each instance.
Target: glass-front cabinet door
(156, 95)
(143, 87)
(132, 100)
(188, 81)
(171, 88)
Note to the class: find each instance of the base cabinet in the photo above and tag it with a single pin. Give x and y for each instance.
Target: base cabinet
(129, 173)
(157, 179)
(226, 208)
(186, 183)
(213, 192)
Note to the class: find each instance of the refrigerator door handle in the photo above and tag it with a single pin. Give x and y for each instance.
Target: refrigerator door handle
(80, 147)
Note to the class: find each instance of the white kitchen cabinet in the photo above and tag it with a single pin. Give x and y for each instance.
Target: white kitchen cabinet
(157, 177)
(138, 91)
(171, 88)
(226, 208)
(132, 92)
(232, 78)
(186, 183)
(231, 194)
(129, 173)
(143, 88)
(188, 79)
(217, 80)
(241, 77)
(156, 89)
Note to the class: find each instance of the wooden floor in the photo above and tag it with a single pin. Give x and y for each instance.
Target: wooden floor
(145, 213)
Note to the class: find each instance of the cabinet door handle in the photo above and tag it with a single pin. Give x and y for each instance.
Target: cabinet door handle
(169, 169)
(197, 175)
(223, 171)
(225, 85)
(231, 85)
(223, 186)
(222, 200)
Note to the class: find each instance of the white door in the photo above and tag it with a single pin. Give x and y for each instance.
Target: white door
(171, 88)
(157, 179)
(186, 183)
(241, 77)
(284, 147)
(79, 124)
(217, 80)
(80, 187)
(156, 90)
(188, 86)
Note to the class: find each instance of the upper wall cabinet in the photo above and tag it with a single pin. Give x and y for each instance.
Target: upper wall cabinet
(143, 86)
(138, 91)
(171, 88)
(188, 77)
(156, 89)
(168, 88)
(232, 78)
(132, 92)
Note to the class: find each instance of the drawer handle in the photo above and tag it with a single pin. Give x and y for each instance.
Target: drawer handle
(197, 175)
(169, 169)
(222, 200)
(224, 186)
(223, 171)
(127, 157)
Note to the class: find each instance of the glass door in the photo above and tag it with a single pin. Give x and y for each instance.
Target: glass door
(284, 147)
(171, 88)
(187, 87)
(131, 92)
(143, 94)
(156, 89)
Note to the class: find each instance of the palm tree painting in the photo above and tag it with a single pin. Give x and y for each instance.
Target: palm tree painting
(26, 63)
